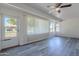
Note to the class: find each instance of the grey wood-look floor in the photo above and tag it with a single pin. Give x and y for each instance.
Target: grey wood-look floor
(56, 46)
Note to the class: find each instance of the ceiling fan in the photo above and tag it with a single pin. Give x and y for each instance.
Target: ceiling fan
(58, 6)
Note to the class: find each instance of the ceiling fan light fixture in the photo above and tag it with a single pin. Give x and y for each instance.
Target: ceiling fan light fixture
(57, 9)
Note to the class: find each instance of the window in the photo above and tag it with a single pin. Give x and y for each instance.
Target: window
(57, 27)
(37, 25)
(30, 24)
(10, 27)
(52, 26)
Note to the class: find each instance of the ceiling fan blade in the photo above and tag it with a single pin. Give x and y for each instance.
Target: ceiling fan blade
(69, 5)
(57, 5)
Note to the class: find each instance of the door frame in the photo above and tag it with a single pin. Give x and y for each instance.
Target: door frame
(3, 29)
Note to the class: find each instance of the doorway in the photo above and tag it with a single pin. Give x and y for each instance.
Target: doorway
(9, 31)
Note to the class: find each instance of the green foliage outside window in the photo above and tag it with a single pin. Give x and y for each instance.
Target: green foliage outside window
(11, 21)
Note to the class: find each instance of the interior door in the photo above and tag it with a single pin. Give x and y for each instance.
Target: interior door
(9, 31)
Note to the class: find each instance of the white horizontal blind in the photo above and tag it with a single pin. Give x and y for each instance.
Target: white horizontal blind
(36, 25)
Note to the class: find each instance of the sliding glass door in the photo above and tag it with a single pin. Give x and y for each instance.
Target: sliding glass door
(9, 31)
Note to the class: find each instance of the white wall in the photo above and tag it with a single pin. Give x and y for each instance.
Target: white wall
(69, 28)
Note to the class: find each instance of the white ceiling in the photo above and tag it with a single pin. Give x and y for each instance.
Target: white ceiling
(39, 6)
(66, 13)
